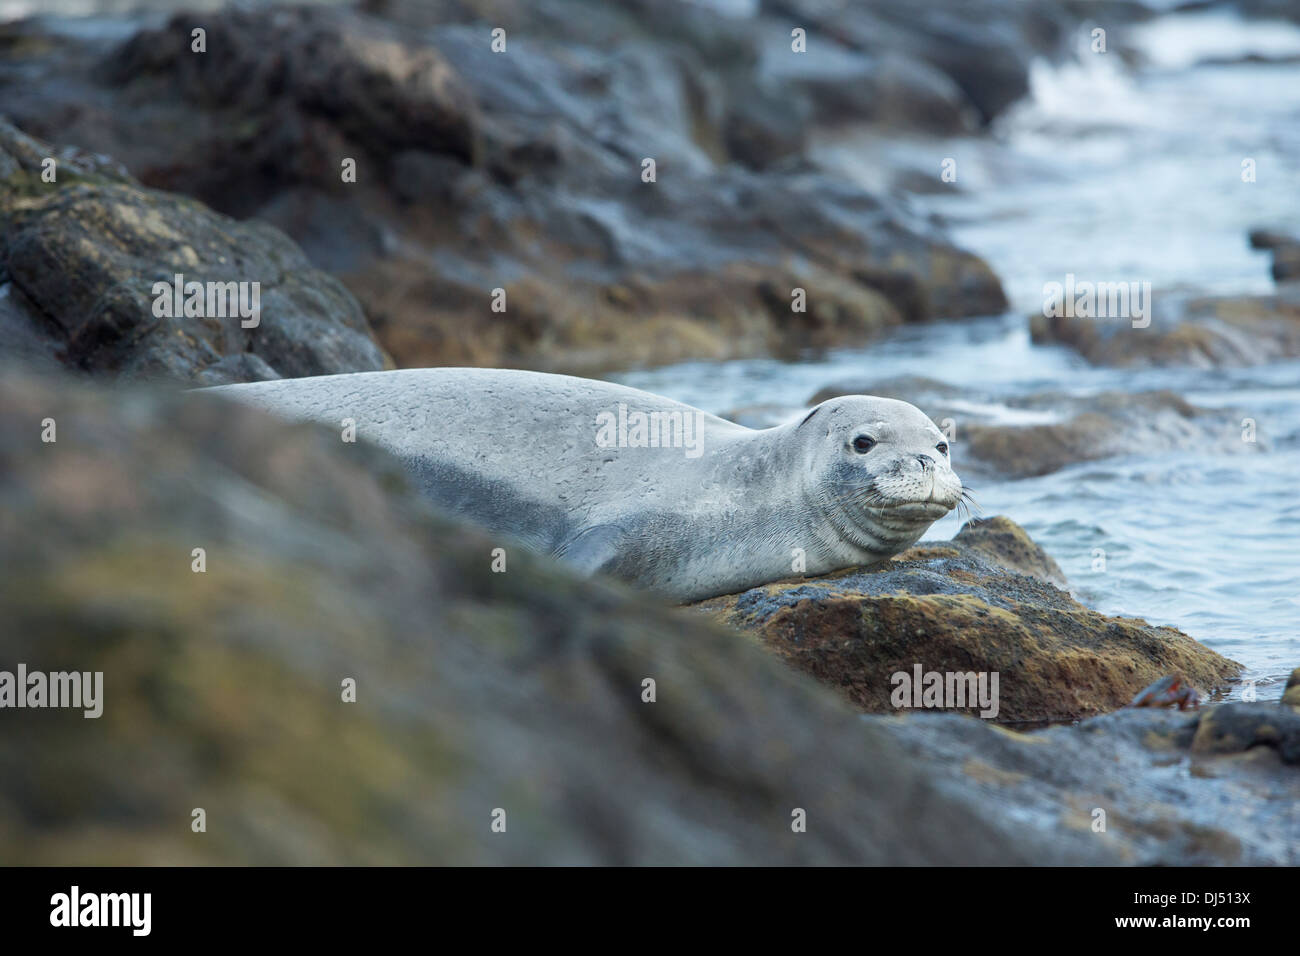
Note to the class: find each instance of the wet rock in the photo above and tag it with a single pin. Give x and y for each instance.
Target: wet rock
(985, 46)
(766, 127)
(916, 389)
(842, 86)
(1135, 781)
(1204, 332)
(1005, 544)
(981, 603)
(1236, 727)
(1285, 248)
(1027, 435)
(478, 171)
(1291, 693)
(329, 78)
(1110, 425)
(762, 416)
(80, 259)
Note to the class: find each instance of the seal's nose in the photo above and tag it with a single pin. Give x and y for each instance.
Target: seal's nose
(927, 463)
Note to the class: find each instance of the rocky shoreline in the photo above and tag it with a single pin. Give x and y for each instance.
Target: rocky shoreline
(526, 688)
(476, 172)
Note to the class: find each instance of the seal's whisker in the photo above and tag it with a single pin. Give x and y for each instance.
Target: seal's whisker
(967, 500)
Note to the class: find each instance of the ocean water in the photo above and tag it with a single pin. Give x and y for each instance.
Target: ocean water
(1112, 172)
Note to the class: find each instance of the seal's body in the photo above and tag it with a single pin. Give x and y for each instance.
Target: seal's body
(621, 481)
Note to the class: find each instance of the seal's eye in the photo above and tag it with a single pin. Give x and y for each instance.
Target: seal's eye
(942, 447)
(863, 444)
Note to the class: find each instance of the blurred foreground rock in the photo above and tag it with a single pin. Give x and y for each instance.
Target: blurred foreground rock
(478, 690)
(989, 601)
(1172, 786)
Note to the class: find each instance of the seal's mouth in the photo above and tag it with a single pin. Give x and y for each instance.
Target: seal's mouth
(914, 510)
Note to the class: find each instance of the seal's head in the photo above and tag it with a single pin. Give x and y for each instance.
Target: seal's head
(881, 472)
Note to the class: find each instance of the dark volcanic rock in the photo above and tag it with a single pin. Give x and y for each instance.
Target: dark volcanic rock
(518, 171)
(79, 259)
(281, 90)
(981, 603)
(985, 46)
(842, 86)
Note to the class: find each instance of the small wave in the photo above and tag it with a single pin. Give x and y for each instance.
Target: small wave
(1183, 40)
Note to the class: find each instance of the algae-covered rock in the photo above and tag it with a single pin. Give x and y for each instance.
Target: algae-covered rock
(982, 603)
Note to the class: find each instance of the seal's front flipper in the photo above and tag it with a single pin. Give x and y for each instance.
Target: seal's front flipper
(593, 550)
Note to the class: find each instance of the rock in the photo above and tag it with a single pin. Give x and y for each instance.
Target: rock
(1207, 332)
(1027, 435)
(1286, 252)
(478, 171)
(333, 77)
(1291, 693)
(985, 46)
(80, 257)
(841, 86)
(762, 416)
(1236, 727)
(1161, 797)
(981, 603)
(766, 127)
(478, 690)
(1005, 544)
(916, 389)
(1114, 425)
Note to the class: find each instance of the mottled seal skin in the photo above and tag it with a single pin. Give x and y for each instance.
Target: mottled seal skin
(856, 480)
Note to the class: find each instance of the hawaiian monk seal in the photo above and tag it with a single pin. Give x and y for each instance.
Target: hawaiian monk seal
(616, 480)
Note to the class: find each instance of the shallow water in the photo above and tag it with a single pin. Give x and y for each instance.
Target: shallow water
(1113, 174)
